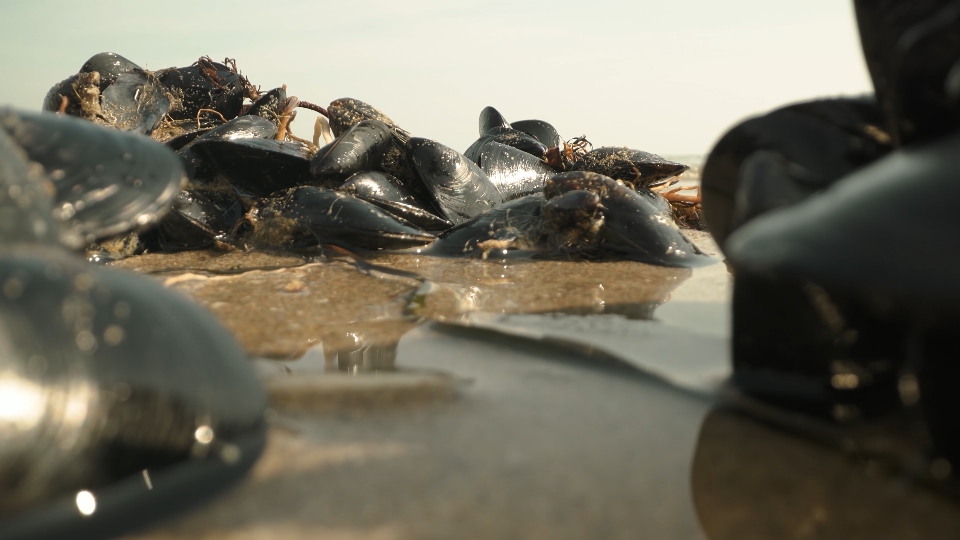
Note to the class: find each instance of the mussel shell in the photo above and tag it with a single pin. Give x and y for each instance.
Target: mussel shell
(107, 182)
(200, 92)
(912, 51)
(135, 102)
(519, 222)
(490, 119)
(117, 377)
(887, 229)
(257, 166)
(109, 65)
(642, 169)
(198, 218)
(574, 209)
(345, 113)
(387, 192)
(460, 189)
(177, 143)
(636, 226)
(510, 137)
(26, 214)
(242, 127)
(309, 216)
(82, 91)
(567, 226)
(360, 148)
(514, 172)
(539, 130)
(786, 155)
(269, 105)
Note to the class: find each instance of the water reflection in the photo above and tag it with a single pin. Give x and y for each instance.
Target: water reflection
(364, 357)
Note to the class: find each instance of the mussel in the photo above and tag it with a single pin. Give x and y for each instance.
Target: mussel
(255, 166)
(205, 85)
(107, 182)
(198, 218)
(539, 130)
(305, 217)
(121, 401)
(579, 215)
(642, 169)
(515, 173)
(388, 193)
(460, 189)
(345, 113)
(112, 91)
(784, 156)
(243, 127)
(360, 148)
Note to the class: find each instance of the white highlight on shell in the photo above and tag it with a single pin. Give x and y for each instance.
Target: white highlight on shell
(204, 434)
(86, 503)
(21, 403)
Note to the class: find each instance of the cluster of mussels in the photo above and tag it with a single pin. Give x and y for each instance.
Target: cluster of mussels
(120, 400)
(251, 183)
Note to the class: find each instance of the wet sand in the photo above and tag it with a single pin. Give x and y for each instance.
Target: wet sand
(395, 416)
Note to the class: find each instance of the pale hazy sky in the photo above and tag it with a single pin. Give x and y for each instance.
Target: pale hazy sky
(665, 76)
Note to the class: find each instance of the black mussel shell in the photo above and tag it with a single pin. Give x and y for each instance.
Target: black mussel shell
(514, 172)
(242, 127)
(515, 228)
(26, 213)
(510, 137)
(107, 182)
(257, 166)
(347, 112)
(460, 189)
(344, 113)
(568, 226)
(784, 156)
(309, 216)
(636, 225)
(198, 218)
(177, 143)
(886, 228)
(539, 130)
(577, 209)
(490, 119)
(109, 65)
(388, 193)
(82, 92)
(912, 52)
(270, 105)
(204, 85)
(135, 102)
(131, 401)
(642, 169)
(360, 148)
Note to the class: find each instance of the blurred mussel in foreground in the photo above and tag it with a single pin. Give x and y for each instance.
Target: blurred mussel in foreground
(837, 219)
(120, 401)
(825, 488)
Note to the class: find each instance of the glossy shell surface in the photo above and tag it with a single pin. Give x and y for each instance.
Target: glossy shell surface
(107, 182)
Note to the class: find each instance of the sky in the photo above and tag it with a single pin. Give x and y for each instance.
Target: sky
(667, 76)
